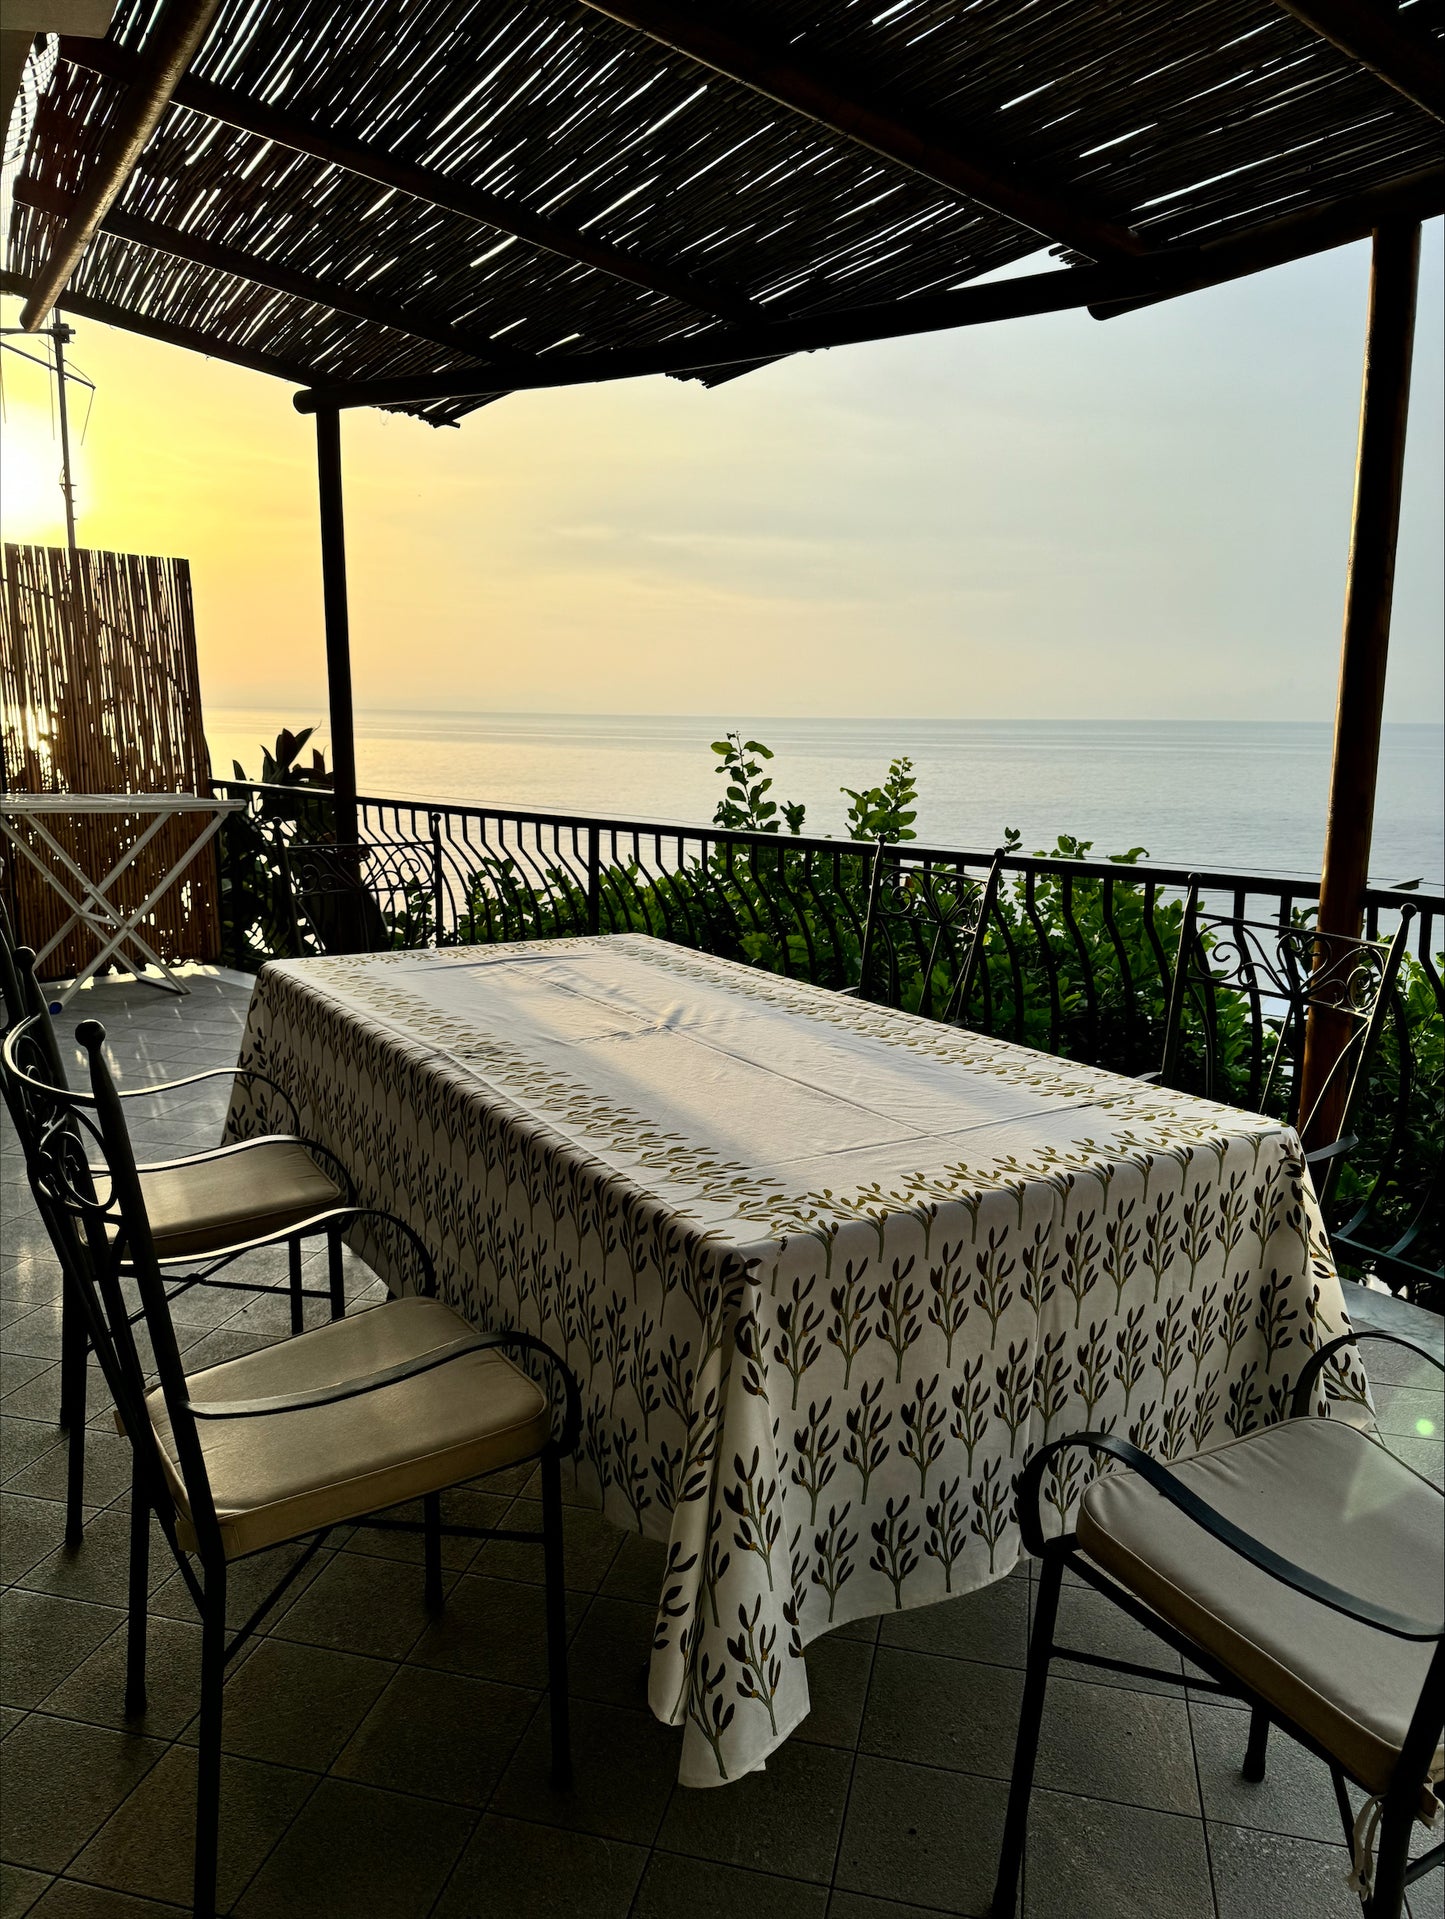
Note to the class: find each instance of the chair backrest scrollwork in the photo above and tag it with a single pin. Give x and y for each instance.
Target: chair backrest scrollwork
(1241, 1002)
(382, 890)
(84, 1176)
(924, 933)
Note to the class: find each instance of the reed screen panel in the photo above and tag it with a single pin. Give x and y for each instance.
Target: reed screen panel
(100, 693)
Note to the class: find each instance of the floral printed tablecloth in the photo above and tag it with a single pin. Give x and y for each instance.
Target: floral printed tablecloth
(827, 1273)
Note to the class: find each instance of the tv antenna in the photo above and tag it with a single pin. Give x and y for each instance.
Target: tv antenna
(59, 335)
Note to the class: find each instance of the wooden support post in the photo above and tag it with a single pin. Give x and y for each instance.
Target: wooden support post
(338, 644)
(1369, 589)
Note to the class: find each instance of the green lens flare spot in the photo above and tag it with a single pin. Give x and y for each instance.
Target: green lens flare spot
(1425, 1428)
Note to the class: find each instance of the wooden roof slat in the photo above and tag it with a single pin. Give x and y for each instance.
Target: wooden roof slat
(1183, 122)
(113, 314)
(746, 54)
(181, 27)
(420, 183)
(1383, 41)
(400, 317)
(1103, 289)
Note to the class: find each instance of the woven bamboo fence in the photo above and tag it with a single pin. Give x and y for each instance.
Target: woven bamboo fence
(99, 693)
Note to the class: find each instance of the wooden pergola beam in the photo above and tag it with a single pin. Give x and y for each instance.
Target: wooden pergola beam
(154, 76)
(1097, 287)
(1364, 649)
(427, 184)
(1380, 39)
(345, 820)
(844, 105)
(397, 315)
(741, 346)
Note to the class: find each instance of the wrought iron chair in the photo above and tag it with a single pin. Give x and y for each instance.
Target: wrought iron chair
(1239, 1010)
(924, 924)
(1301, 1568)
(334, 1426)
(367, 897)
(206, 1210)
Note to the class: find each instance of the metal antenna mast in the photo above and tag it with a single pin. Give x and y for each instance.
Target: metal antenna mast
(59, 334)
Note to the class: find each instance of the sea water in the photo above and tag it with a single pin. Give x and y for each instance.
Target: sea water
(1240, 796)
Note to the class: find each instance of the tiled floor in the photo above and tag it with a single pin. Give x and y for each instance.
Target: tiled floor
(380, 1762)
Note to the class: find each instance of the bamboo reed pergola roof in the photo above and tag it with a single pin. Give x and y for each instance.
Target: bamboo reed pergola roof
(368, 197)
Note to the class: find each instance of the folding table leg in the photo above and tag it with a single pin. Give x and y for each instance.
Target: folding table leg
(1254, 1754)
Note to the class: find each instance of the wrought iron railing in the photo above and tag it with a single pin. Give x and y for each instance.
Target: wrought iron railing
(1078, 955)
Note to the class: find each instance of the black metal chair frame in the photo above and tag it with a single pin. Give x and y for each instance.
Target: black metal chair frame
(333, 886)
(956, 906)
(108, 1237)
(20, 989)
(1295, 968)
(1394, 1870)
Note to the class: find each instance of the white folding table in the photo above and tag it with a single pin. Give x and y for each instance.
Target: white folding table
(23, 818)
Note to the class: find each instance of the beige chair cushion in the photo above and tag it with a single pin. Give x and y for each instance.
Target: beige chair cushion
(243, 1192)
(1325, 1496)
(291, 1473)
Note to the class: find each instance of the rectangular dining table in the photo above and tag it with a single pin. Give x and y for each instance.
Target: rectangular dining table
(827, 1273)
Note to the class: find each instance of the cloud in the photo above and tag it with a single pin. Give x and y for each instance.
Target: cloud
(1147, 517)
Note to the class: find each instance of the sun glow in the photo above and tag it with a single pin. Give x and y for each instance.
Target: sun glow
(32, 506)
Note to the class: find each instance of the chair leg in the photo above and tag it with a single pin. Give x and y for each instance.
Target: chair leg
(75, 1482)
(208, 1757)
(74, 1357)
(140, 1558)
(1016, 1820)
(293, 1248)
(1392, 1857)
(556, 1620)
(1254, 1753)
(334, 1275)
(431, 1506)
(72, 1334)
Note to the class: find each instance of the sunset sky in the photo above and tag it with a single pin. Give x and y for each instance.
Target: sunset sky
(1144, 518)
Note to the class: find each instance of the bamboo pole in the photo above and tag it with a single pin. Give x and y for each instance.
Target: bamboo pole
(1369, 590)
(1386, 42)
(169, 50)
(775, 67)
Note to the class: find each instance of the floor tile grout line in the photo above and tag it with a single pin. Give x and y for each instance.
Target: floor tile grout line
(873, 1646)
(485, 1808)
(543, 1703)
(1203, 1814)
(105, 1817)
(317, 1782)
(591, 1598)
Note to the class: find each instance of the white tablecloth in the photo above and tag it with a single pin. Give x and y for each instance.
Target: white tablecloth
(827, 1273)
